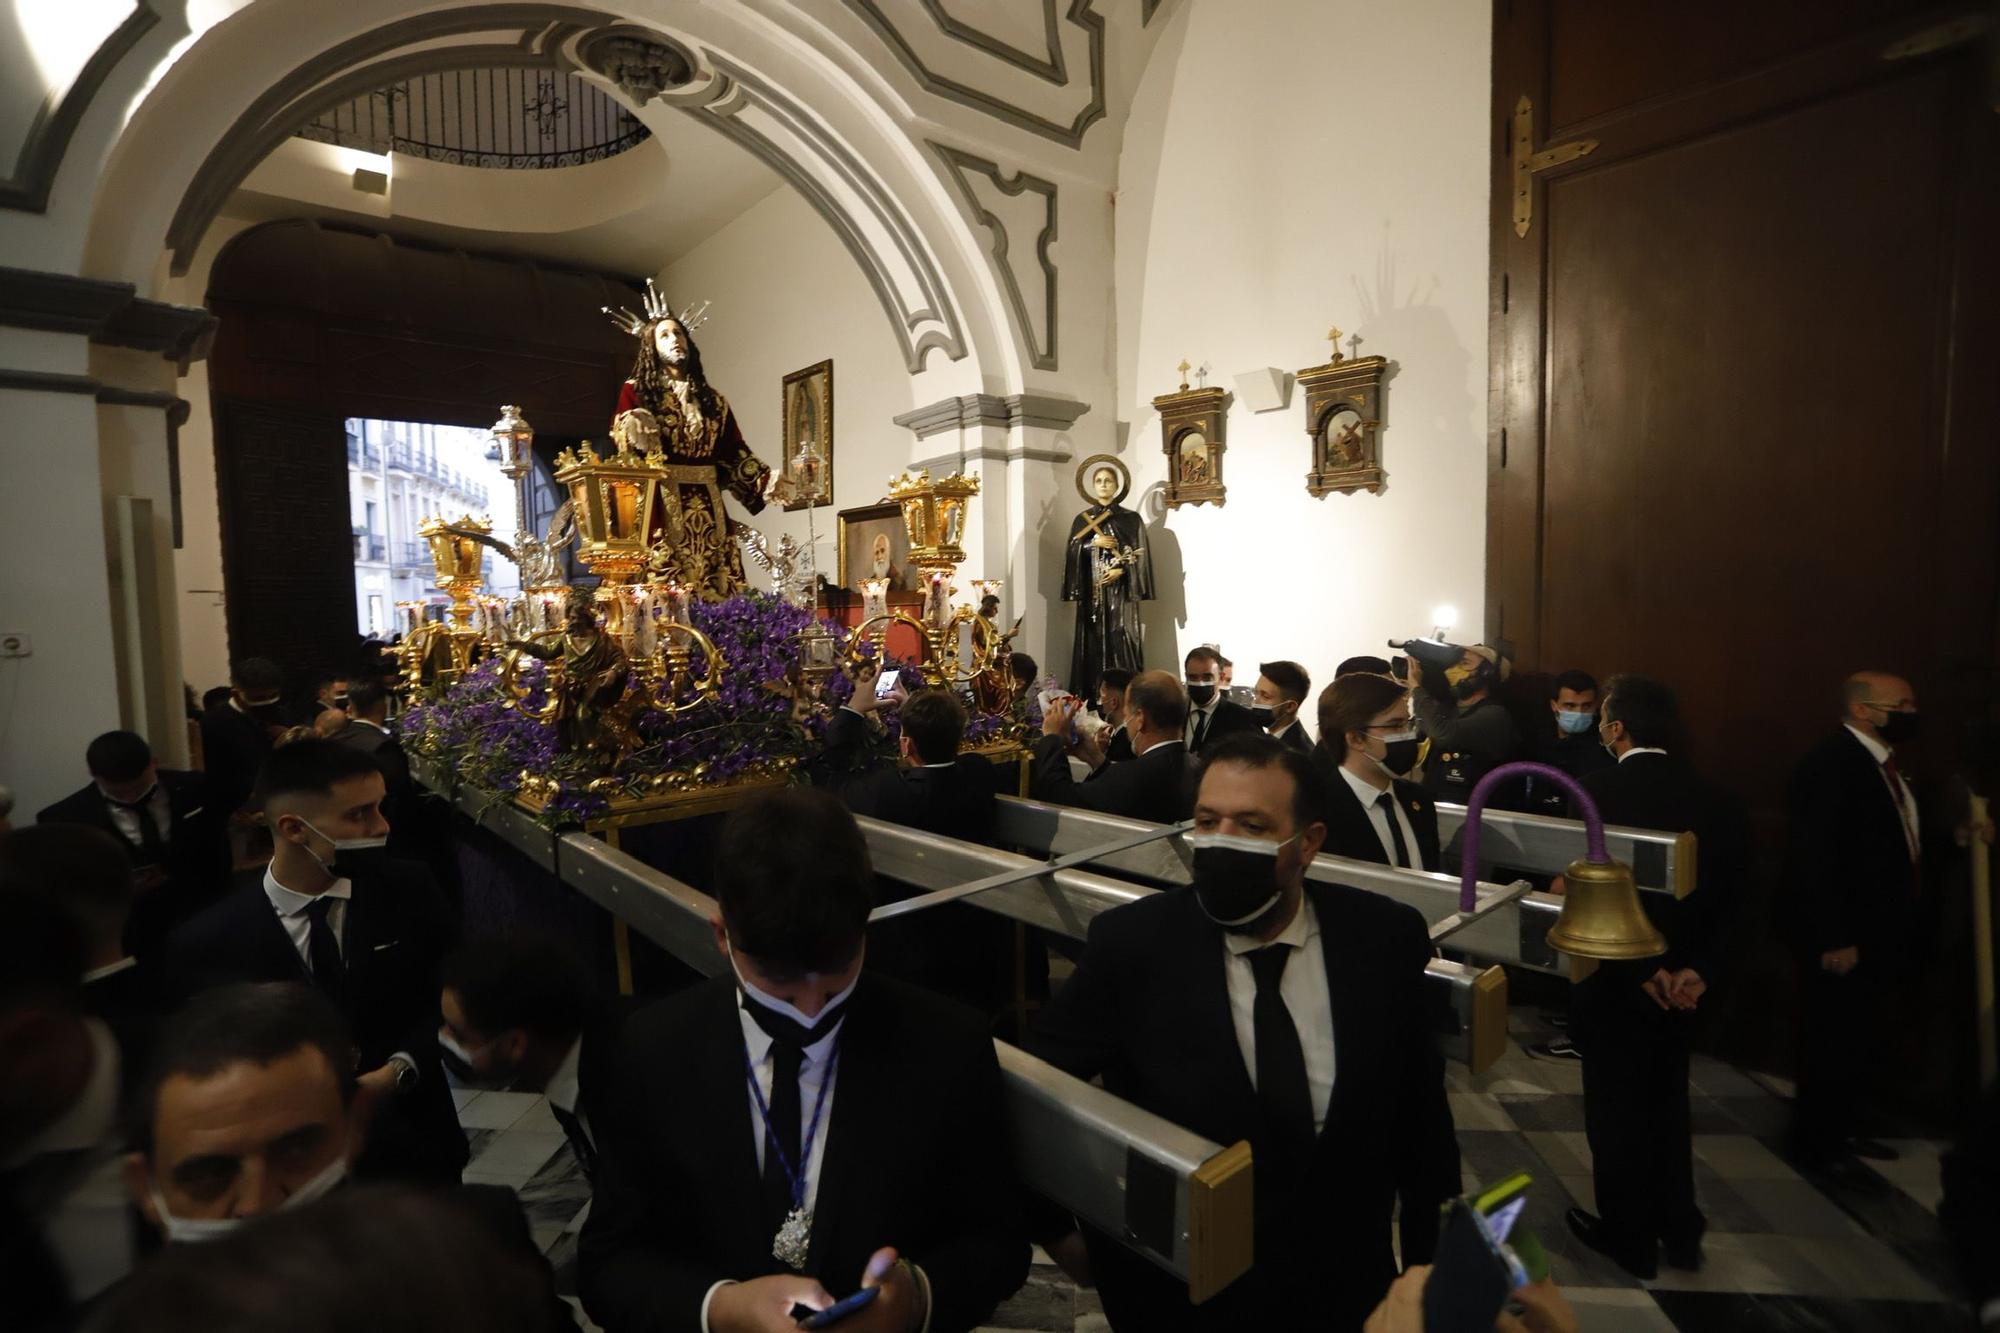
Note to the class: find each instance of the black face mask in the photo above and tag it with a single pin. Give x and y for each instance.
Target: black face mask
(1899, 728)
(1400, 755)
(1265, 715)
(271, 715)
(351, 856)
(1199, 695)
(1235, 879)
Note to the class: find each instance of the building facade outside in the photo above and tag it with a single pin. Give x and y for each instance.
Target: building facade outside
(399, 474)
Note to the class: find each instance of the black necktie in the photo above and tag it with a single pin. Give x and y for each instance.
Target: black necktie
(1388, 804)
(579, 1139)
(323, 951)
(152, 847)
(788, 1060)
(1282, 1086)
(1200, 731)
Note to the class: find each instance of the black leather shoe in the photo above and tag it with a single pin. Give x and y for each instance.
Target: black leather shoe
(1873, 1150)
(1589, 1228)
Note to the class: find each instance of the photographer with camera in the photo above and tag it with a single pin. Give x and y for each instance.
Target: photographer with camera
(1469, 731)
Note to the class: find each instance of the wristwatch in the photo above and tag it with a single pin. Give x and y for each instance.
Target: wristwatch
(406, 1071)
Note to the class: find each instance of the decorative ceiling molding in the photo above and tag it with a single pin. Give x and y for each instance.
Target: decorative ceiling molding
(344, 72)
(1148, 8)
(1053, 70)
(55, 123)
(109, 313)
(862, 210)
(966, 170)
(1042, 411)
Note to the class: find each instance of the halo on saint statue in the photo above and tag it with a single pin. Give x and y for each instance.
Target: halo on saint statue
(1096, 463)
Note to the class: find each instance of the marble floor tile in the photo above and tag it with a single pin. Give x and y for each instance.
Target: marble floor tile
(1555, 1111)
(519, 1149)
(538, 1117)
(1477, 1110)
(1617, 1310)
(463, 1097)
(496, 1110)
(1738, 1156)
(1793, 1207)
(1567, 1152)
(1863, 1267)
(1748, 1264)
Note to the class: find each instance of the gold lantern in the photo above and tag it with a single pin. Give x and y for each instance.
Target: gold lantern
(613, 499)
(934, 515)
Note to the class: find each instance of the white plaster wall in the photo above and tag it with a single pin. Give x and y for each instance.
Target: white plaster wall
(786, 295)
(1286, 168)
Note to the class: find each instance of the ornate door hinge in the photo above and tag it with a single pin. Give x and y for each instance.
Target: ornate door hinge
(1527, 162)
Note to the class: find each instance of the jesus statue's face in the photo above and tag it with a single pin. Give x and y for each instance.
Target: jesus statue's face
(670, 341)
(1104, 485)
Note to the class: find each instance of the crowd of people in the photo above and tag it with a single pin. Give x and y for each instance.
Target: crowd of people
(229, 1000)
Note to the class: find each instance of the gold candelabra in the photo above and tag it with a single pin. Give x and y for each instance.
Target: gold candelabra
(934, 516)
(438, 652)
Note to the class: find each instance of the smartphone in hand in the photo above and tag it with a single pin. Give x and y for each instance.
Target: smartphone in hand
(842, 1308)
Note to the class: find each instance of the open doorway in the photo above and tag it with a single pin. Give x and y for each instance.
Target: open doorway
(400, 474)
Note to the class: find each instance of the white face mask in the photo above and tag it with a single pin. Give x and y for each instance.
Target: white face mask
(194, 1230)
(780, 1007)
(465, 1055)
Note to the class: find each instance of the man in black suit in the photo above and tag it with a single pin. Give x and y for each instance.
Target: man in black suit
(1112, 683)
(237, 732)
(88, 872)
(368, 932)
(176, 837)
(1280, 693)
(1255, 1006)
(796, 1128)
(1157, 785)
(1367, 743)
(65, 1233)
(1853, 846)
(251, 1109)
(520, 1011)
(420, 823)
(1633, 1021)
(1570, 743)
(1210, 716)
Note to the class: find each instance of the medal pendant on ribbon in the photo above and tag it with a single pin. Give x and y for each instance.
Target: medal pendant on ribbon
(794, 1240)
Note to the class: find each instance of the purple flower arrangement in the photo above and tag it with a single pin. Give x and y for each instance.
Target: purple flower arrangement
(473, 731)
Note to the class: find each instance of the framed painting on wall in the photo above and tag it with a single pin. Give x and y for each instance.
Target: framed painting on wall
(875, 544)
(808, 418)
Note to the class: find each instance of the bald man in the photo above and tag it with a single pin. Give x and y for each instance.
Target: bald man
(1853, 848)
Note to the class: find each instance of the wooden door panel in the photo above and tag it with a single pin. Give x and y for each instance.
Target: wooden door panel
(1742, 349)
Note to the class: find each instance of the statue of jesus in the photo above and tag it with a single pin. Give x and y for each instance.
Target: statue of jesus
(702, 451)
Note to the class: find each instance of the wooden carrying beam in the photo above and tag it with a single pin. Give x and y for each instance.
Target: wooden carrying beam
(1168, 1194)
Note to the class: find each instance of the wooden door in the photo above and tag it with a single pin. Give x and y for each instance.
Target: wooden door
(1744, 359)
(287, 538)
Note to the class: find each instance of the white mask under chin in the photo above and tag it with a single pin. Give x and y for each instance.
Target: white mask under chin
(194, 1230)
(778, 1006)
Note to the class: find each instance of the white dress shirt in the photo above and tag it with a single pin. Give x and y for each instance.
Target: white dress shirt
(158, 805)
(1195, 714)
(1899, 790)
(1367, 793)
(1288, 728)
(291, 909)
(88, 1228)
(1305, 992)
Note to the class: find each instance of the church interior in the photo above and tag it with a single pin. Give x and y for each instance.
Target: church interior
(1328, 737)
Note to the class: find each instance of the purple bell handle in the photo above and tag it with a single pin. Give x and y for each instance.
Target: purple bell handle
(1475, 808)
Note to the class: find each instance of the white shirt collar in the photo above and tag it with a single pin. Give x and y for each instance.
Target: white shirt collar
(91, 1118)
(1302, 930)
(109, 970)
(1367, 792)
(1157, 744)
(1869, 743)
(286, 902)
(759, 1041)
(949, 763)
(369, 723)
(1640, 749)
(562, 1087)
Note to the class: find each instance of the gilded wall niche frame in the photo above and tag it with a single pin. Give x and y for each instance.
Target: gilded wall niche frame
(1344, 422)
(1192, 422)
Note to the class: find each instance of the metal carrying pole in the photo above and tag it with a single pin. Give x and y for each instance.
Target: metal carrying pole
(1005, 877)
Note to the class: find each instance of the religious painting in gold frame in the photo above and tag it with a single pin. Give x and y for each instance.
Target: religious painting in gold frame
(808, 415)
(1344, 423)
(1191, 435)
(870, 536)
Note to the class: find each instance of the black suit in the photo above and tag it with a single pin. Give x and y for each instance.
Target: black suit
(917, 1156)
(233, 747)
(195, 863)
(1228, 719)
(1157, 786)
(420, 823)
(1120, 748)
(1635, 1069)
(1350, 832)
(1850, 881)
(955, 801)
(395, 935)
(1294, 738)
(1148, 1008)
